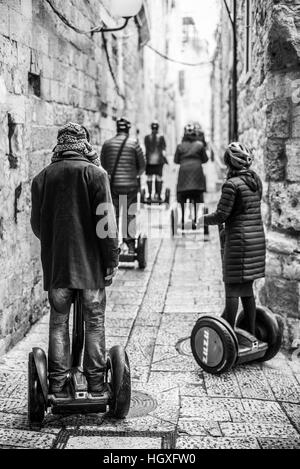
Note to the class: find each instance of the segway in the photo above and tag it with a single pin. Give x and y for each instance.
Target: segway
(217, 347)
(80, 401)
(141, 243)
(140, 253)
(154, 201)
(189, 226)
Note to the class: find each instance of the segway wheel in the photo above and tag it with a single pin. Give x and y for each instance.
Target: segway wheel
(167, 197)
(206, 227)
(142, 252)
(119, 380)
(214, 345)
(36, 403)
(143, 196)
(267, 329)
(174, 223)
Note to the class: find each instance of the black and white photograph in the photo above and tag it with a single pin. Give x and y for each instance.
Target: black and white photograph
(149, 227)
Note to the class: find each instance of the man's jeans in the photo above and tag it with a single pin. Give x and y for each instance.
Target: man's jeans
(94, 363)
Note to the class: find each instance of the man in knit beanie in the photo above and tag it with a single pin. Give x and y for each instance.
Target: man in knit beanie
(70, 199)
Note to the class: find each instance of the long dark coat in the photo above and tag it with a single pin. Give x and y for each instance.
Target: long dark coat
(245, 246)
(155, 145)
(191, 155)
(65, 198)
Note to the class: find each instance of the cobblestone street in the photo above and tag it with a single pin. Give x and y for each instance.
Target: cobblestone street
(172, 99)
(174, 404)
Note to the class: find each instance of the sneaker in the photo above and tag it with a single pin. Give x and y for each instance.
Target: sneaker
(60, 393)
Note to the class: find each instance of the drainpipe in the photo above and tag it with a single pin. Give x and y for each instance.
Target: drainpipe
(235, 75)
(233, 21)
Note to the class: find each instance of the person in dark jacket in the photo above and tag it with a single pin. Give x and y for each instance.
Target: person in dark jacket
(244, 251)
(70, 201)
(155, 145)
(200, 134)
(124, 176)
(191, 185)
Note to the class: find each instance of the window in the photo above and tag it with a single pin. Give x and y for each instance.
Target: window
(231, 135)
(181, 82)
(34, 84)
(248, 37)
(188, 29)
(12, 140)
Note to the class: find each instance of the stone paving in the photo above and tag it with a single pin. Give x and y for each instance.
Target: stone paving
(174, 403)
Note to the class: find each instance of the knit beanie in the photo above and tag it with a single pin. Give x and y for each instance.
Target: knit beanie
(73, 137)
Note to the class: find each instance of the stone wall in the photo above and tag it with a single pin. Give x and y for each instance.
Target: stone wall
(49, 75)
(269, 120)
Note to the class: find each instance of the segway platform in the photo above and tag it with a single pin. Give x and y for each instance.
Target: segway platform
(250, 348)
(154, 201)
(140, 255)
(217, 347)
(80, 400)
(70, 406)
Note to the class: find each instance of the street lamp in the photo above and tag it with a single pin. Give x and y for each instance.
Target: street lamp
(126, 9)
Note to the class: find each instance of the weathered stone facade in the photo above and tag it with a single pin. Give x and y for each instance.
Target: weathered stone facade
(49, 75)
(269, 120)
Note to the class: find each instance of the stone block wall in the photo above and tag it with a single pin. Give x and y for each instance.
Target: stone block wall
(49, 75)
(269, 120)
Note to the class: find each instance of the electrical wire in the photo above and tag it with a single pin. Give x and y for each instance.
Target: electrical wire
(188, 64)
(97, 29)
(101, 28)
(111, 68)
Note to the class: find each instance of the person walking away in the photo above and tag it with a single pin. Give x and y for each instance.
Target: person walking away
(66, 196)
(244, 249)
(191, 185)
(155, 145)
(123, 158)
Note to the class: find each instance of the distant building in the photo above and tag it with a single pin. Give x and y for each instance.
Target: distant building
(192, 83)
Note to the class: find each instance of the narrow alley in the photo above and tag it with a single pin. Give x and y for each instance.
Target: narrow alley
(163, 102)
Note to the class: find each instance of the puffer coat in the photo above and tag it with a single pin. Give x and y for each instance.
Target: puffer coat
(191, 155)
(131, 164)
(245, 246)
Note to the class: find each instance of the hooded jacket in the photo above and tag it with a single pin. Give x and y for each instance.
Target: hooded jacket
(240, 209)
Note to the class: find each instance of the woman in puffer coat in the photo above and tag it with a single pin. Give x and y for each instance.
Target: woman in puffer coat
(245, 247)
(191, 155)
